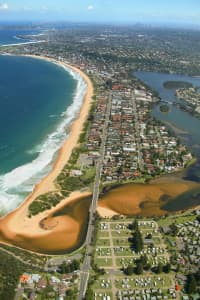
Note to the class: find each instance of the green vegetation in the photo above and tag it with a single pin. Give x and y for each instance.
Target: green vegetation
(164, 108)
(137, 240)
(65, 268)
(73, 183)
(104, 262)
(139, 269)
(71, 294)
(176, 219)
(10, 270)
(89, 294)
(129, 270)
(27, 257)
(191, 284)
(43, 203)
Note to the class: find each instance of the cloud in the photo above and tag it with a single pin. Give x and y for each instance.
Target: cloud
(90, 7)
(3, 6)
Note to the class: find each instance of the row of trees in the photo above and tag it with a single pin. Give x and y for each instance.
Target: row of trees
(142, 265)
(136, 240)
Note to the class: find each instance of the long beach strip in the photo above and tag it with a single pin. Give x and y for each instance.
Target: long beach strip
(16, 226)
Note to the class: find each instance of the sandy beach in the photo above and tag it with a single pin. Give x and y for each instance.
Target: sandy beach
(16, 227)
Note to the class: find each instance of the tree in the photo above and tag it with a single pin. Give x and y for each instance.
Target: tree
(144, 259)
(147, 267)
(139, 268)
(174, 229)
(191, 284)
(159, 268)
(89, 294)
(197, 277)
(135, 225)
(138, 241)
(129, 270)
(109, 84)
(167, 268)
(76, 265)
(68, 268)
(69, 293)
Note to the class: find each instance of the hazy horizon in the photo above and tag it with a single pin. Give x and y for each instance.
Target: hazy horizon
(174, 13)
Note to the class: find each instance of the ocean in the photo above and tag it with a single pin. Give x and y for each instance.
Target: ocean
(38, 101)
(10, 36)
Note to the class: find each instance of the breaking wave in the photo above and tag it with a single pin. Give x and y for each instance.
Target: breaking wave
(18, 183)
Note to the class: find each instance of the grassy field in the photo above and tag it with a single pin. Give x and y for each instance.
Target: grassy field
(104, 262)
(121, 242)
(176, 219)
(103, 234)
(103, 242)
(121, 233)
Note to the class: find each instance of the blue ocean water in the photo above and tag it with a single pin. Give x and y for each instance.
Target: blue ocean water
(38, 101)
(10, 36)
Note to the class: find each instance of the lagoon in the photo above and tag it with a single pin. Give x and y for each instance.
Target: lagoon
(172, 192)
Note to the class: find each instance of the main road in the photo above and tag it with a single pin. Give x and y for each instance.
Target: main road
(91, 225)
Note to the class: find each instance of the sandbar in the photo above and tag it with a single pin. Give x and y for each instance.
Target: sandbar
(17, 228)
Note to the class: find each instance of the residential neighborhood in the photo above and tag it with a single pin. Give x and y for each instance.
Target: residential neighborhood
(150, 273)
(191, 97)
(121, 257)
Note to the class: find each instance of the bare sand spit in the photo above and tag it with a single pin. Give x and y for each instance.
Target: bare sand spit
(16, 228)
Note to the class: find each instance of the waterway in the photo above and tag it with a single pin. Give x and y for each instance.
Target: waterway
(184, 124)
(172, 192)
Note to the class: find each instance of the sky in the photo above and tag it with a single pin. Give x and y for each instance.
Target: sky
(104, 11)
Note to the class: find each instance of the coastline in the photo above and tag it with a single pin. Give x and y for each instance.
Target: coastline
(23, 43)
(16, 224)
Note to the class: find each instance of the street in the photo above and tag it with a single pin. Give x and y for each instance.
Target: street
(89, 248)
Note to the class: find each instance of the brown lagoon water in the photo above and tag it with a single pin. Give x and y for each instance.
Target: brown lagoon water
(64, 230)
(172, 192)
(164, 195)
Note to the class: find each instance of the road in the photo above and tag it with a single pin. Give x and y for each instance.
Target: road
(137, 134)
(89, 247)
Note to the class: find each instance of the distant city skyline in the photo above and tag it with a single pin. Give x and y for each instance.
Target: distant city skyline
(112, 11)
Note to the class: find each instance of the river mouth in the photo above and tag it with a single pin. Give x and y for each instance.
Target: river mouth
(165, 195)
(64, 230)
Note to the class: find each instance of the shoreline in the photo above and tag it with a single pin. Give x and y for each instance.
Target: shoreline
(23, 43)
(146, 200)
(16, 223)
